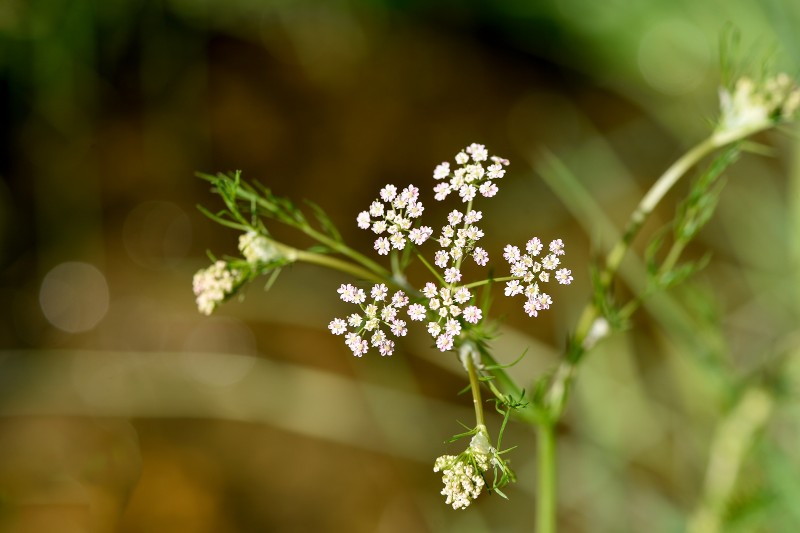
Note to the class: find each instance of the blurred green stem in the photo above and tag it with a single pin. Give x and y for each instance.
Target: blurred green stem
(546, 484)
(732, 439)
(646, 206)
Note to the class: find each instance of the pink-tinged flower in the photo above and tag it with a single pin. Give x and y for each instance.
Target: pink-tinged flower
(388, 193)
(444, 342)
(511, 253)
(513, 288)
(534, 246)
(416, 312)
(420, 235)
(452, 275)
(430, 290)
(488, 189)
(563, 276)
(399, 328)
(337, 326)
(480, 256)
(379, 292)
(557, 247)
(472, 314)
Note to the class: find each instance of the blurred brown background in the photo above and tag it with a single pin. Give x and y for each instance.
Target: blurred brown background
(125, 410)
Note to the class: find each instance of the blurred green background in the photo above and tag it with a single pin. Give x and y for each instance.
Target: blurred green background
(125, 410)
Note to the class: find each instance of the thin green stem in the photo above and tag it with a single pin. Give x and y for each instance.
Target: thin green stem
(433, 271)
(649, 202)
(334, 263)
(468, 355)
(546, 481)
(488, 280)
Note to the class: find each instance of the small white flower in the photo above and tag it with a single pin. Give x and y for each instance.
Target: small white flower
(382, 245)
(434, 329)
(363, 220)
(441, 171)
(452, 275)
(444, 342)
(550, 262)
(564, 276)
(442, 190)
(430, 290)
(337, 326)
(416, 312)
(388, 193)
(441, 258)
(513, 288)
(452, 327)
(534, 246)
(454, 217)
(511, 253)
(488, 189)
(379, 292)
(376, 209)
(480, 256)
(462, 295)
(462, 158)
(472, 314)
(354, 320)
(557, 247)
(400, 299)
(399, 328)
(467, 192)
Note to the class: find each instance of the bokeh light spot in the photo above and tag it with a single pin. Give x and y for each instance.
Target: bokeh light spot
(74, 297)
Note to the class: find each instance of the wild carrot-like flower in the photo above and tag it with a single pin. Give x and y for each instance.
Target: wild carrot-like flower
(529, 273)
(382, 311)
(393, 215)
(464, 475)
(213, 284)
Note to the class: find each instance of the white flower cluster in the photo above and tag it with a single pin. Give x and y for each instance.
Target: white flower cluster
(256, 248)
(749, 103)
(471, 177)
(462, 476)
(446, 306)
(381, 311)
(213, 284)
(457, 241)
(444, 303)
(393, 214)
(528, 273)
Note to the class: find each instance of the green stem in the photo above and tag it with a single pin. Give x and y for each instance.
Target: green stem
(489, 280)
(335, 263)
(467, 354)
(433, 271)
(646, 206)
(546, 483)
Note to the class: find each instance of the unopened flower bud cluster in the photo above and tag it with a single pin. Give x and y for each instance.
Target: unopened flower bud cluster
(256, 248)
(463, 475)
(213, 284)
(750, 103)
(448, 304)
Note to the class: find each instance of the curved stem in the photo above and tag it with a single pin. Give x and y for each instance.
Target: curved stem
(649, 202)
